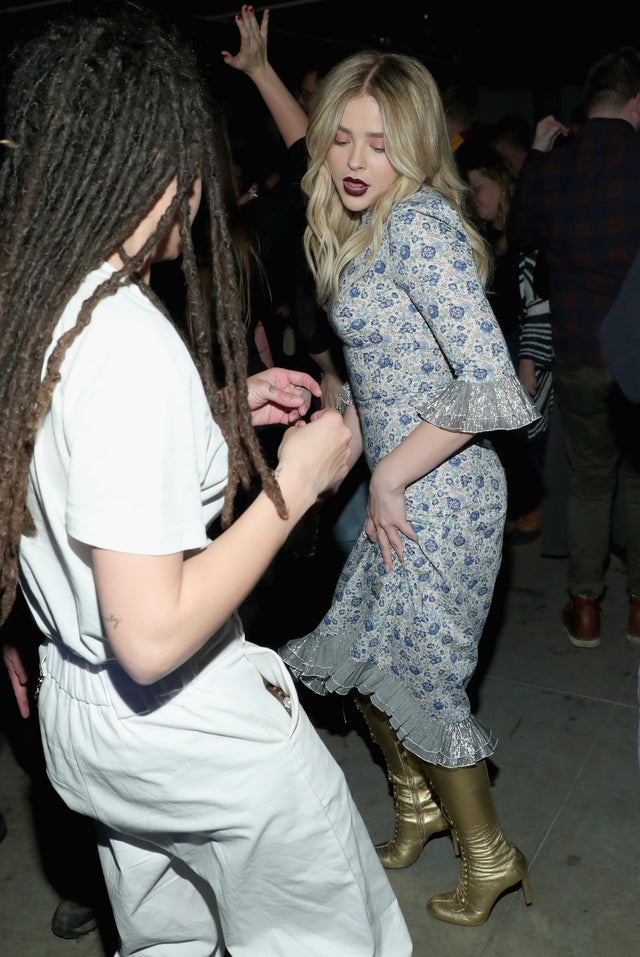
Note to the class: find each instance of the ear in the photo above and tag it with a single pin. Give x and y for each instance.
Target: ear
(635, 110)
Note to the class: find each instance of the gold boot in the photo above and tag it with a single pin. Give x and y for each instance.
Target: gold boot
(489, 864)
(417, 815)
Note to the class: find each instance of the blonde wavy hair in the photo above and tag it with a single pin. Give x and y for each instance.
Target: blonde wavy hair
(416, 143)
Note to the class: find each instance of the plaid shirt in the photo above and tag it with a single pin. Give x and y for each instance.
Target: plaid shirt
(581, 203)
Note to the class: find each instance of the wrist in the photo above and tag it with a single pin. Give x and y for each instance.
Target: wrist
(297, 494)
(261, 74)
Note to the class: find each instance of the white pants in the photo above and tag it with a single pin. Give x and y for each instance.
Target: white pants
(225, 820)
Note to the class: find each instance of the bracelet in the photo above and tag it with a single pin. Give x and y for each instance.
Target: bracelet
(345, 398)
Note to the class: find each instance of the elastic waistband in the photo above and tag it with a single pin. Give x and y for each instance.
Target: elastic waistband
(108, 684)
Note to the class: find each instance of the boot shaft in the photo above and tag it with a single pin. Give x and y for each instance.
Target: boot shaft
(417, 813)
(489, 864)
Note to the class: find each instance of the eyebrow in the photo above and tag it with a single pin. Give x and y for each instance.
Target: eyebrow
(345, 129)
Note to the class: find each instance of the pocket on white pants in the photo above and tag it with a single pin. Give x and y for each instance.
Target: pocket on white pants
(276, 677)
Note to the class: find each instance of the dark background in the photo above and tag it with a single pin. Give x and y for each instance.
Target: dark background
(532, 60)
(497, 46)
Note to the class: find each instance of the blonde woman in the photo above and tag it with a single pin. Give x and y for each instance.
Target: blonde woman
(401, 271)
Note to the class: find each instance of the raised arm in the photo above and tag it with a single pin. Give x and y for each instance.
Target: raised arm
(548, 129)
(252, 59)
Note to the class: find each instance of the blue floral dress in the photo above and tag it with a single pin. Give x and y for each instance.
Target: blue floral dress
(421, 342)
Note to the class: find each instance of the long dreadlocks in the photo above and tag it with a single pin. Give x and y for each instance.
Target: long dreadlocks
(104, 113)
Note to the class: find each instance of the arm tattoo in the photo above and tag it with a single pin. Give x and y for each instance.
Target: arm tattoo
(112, 620)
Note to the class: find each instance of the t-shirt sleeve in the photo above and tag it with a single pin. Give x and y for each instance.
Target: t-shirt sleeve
(141, 438)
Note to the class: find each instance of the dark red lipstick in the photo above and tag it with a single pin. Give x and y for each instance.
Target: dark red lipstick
(354, 187)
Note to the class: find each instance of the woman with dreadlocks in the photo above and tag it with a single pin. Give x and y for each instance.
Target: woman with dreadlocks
(223, 820)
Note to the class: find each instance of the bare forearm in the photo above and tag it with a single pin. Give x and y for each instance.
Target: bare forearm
(352, 421)
(325, 361)
(216, 581)
(158, 612)
(427, 447)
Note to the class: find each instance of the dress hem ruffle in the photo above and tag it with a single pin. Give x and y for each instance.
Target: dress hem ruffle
(450, 745)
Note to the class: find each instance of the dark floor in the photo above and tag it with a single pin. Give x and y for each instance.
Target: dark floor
(566, 779)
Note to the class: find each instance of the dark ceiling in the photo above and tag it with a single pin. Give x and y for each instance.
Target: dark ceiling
(493, 45)
(532, 60)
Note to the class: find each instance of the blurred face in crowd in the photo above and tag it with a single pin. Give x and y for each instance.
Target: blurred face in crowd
(485, 196)
(308, 90)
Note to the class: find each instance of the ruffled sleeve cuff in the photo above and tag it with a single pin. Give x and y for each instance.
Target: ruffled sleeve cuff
(481, 406)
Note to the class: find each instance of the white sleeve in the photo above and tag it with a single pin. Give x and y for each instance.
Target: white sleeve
(145, 453)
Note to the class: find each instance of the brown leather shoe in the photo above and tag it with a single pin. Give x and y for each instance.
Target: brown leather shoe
(633, 627)
(581, 620)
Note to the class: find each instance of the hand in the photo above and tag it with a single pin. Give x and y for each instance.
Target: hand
(547, 131)
(281, 396)
(251, 193)
(18, 676)
(252, 55)
(331, 386)
(318, 453)
(527, 375)
(387, 518)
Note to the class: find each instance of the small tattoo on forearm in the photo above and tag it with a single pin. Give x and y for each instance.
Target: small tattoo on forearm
(112, 620)
(272, 388)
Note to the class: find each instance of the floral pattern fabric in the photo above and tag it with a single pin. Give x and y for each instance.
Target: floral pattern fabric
(421, 342)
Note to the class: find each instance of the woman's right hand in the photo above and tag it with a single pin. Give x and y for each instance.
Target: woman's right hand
(318, 453)
(252, 54)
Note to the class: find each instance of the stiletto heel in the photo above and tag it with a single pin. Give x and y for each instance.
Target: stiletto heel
(489, 864)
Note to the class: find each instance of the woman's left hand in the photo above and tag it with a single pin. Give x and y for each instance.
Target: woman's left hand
(281, 396)
(387, 522)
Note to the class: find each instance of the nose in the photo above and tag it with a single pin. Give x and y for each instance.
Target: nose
(355, 159)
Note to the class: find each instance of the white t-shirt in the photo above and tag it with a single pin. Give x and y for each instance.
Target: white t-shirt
(127, 458)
